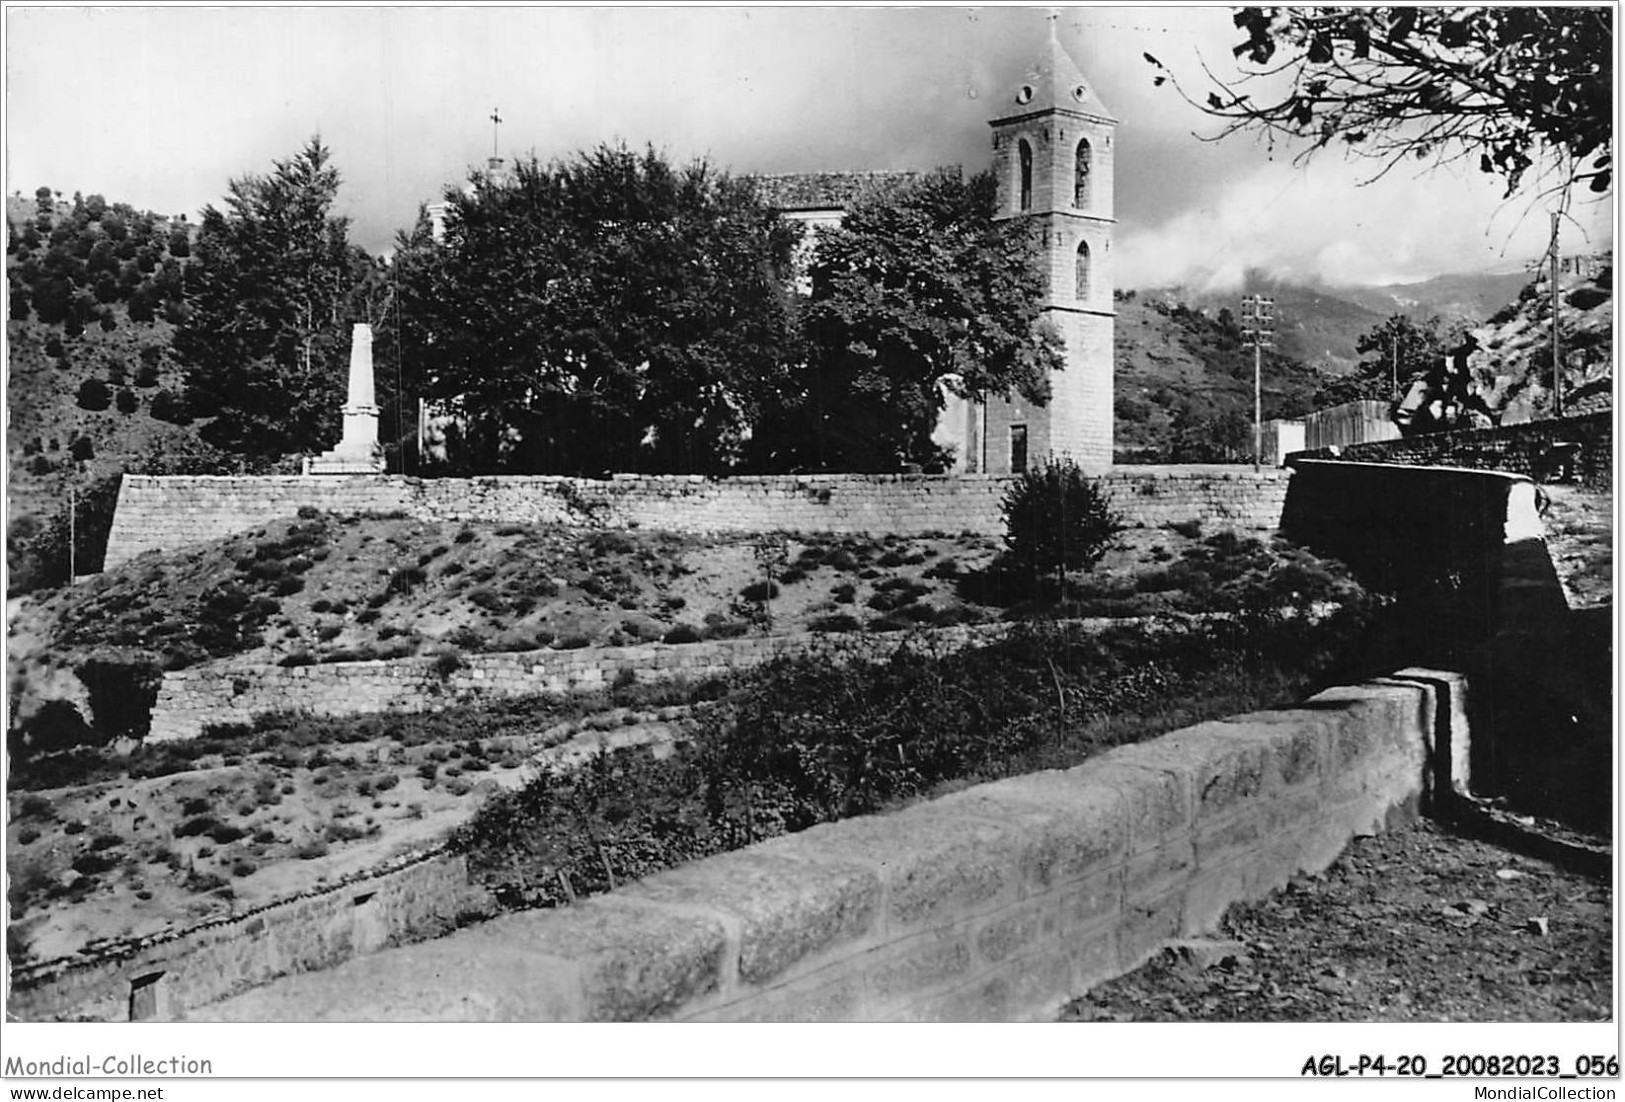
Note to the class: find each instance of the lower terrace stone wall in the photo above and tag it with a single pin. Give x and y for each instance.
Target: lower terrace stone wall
(1525, 449)
(996, 903)
(414, 897)
(167, 512)
(229, 692)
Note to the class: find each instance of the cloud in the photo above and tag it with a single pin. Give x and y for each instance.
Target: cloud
(1318, 223)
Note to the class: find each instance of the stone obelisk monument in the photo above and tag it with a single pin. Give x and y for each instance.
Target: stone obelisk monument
(358, 452)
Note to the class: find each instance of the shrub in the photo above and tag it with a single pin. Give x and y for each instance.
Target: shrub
(127, 401)
(842, 560)
(94, 395)
(168, 406)
(225, 833)
(682, 633)
(57, 725)
(726, 629)
(1057, 520)
(836, 621)
(466, 638)
(488, 599)
(36, 807)
(759, 590)
(122, 693)
(201, 824)
(447, 663)
(89, 864)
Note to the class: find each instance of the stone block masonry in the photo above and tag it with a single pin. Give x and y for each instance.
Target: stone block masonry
(234, 692)
(996, 903)
(414, 897)
(1528, 449)
(163, 513)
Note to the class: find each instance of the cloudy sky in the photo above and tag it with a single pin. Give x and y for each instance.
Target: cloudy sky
(161, 106)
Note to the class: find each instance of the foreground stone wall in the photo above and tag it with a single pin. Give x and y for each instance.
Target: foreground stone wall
(1465, 552)
(415, 897)
(166, 512)
(1524, 449)
(995, 903)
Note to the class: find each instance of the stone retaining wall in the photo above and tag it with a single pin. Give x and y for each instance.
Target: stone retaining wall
(416, 897)
(231, 692)
(996, 903)
(1524, 449)
(166, 512)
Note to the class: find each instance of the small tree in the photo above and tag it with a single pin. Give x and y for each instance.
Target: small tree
(1390, 354)
(1055, 520)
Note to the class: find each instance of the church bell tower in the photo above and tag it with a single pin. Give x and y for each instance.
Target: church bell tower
(1052, 157)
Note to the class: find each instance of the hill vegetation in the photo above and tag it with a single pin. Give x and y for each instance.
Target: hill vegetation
(1185, 383)
(1514, 366)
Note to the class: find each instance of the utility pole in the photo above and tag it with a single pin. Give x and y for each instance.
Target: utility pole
(1258, 329)
(1557, 361)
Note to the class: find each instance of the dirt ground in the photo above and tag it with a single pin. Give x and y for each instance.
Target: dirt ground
(1420, 925)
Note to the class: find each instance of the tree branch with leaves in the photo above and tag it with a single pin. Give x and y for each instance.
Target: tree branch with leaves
(1519, 90)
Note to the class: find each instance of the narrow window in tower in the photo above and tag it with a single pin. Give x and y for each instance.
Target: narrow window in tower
(1083, 269)
(1018, 448)
(1080, 188)
(1025, 153)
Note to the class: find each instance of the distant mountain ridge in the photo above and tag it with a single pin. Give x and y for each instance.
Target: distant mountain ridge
(1463, 296)
(1319, 325)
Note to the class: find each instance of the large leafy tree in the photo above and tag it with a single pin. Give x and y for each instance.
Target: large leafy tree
(271, 294)
(614, 312)
(1390, 354)
(1512, 89)
(917, 291)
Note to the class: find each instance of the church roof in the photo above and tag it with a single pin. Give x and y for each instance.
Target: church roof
(825, 190)
(1054, 82)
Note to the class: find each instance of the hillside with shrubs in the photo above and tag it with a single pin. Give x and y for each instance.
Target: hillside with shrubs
(95, 292)
(1514, 364)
